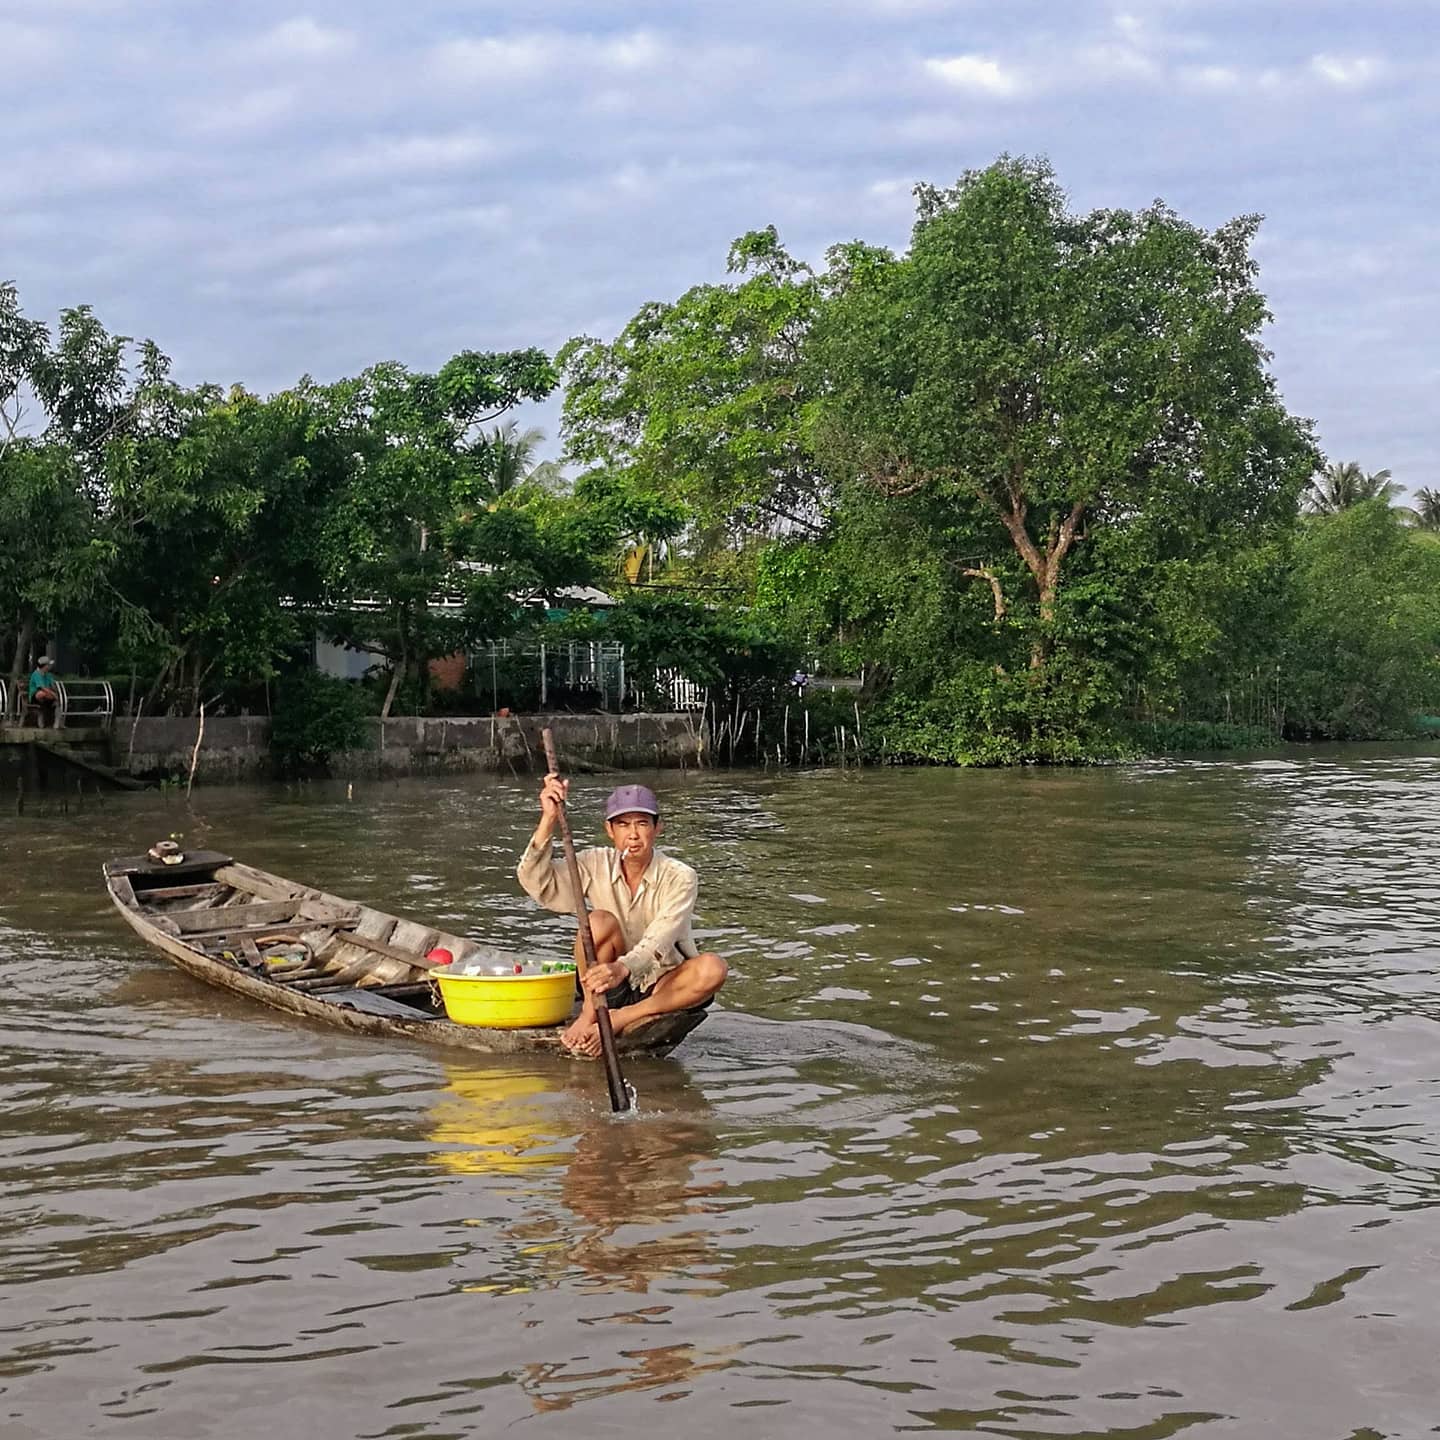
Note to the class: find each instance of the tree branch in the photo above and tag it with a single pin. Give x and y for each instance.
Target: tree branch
(1065, 537)
(774, 509)
(1014, 521)
(10, 423)
(898, 478)
(980, 573)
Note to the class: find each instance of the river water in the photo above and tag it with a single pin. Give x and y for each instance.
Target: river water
(1048, 1103)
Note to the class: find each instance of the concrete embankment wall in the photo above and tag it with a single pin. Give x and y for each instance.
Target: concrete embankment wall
(237, 748)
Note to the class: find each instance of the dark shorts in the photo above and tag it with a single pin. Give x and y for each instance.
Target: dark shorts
(625, 993)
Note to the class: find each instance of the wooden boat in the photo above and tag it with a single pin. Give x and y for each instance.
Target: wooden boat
(298, 949)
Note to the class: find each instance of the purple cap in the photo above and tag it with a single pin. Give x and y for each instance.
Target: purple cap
(630, 799)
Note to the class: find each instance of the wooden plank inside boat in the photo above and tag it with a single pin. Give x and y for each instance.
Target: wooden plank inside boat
(233, 916)
(207, 890)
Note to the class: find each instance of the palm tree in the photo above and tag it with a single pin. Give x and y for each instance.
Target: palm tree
(509, 459)
(1427, 508)
(1343, 483)
(510, 455)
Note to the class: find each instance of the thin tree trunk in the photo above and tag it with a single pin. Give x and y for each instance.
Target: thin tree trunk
(397, 672)
(195, 757)
(1044, 566)
(22, 650)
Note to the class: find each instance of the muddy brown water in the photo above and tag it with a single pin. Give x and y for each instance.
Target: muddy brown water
(1096, 1103)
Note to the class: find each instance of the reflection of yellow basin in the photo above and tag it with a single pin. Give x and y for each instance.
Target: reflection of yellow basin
(507, 1002)
(500, 1118)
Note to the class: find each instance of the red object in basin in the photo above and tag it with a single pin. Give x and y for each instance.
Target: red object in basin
(440, 955)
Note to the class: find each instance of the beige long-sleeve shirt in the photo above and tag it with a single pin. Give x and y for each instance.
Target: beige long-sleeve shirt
(655, 920)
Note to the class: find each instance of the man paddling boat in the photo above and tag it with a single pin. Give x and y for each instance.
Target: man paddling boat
(641, 904)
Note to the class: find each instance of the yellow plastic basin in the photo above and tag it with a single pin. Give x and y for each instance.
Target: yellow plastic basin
(507, 1002)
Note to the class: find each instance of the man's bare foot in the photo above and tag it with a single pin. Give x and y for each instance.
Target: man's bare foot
(582, 1037)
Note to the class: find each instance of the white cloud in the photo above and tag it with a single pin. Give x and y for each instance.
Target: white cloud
(304, 39)
(511, 58)
(1212, 77)
(909, 7)
(1349, 72)
(409, 154)
(311, 282)
(248, 114)
(526, 56)
(935, 129)
(640, 51)
(633, 180)
(978, 74)
(308, 248)
(28, 45)
(82, 168)
(890, 198)
(1116, 60)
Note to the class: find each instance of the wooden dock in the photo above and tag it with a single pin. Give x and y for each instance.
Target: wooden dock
(71, 736)
(76, 754)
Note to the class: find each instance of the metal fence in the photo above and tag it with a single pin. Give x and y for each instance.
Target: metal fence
(572, 672)
(684, 694)
(85, 700)
(578, 672)
(568, 674)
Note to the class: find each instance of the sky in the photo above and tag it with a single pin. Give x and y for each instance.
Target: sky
(269, 191)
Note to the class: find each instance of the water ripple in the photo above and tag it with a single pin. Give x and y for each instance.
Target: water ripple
(1040, 1103)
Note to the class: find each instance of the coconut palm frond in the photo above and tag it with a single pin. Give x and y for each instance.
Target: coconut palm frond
(1427, 508)
(1342, 484)
(511, 455)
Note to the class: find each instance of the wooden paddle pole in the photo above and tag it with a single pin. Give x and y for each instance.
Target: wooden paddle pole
(619, 1092)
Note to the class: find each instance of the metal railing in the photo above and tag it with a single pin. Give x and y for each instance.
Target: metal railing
(4, 700)
(85, 700)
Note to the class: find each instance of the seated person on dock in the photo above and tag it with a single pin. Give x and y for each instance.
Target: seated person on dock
(641, 904)
(42, 687)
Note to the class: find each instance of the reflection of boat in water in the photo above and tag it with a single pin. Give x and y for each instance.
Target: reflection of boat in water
(499, 1121)
(299, 949)
(585, 1199)
(608, 1173)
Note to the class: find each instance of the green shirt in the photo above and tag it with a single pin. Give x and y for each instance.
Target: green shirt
(39, 680)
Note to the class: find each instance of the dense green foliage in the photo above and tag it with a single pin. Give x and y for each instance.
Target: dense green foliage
(735, 654)
(1362, 655)
(1028, 485)
(192, 543)
(1031, 479)
(316, 717)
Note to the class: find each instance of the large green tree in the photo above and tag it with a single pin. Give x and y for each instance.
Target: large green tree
(422, 462)
(1047, 376)
(1362, 647)
(57, 408)
(192, 537)
(705, 401)
(214, 512)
